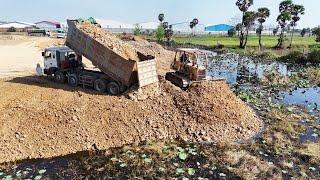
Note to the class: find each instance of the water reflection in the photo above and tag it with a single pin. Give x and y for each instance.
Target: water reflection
(236, 69)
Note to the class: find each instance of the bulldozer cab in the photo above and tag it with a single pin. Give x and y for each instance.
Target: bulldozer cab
(191, 62)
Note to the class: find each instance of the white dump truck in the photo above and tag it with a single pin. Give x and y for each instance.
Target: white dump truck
(116, 74)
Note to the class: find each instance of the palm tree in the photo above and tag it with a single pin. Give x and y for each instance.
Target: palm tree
(243, 6)
(262, 15)
(285, 8)
(192, 25)
(295, 12)
(161, 18)
(249, 19)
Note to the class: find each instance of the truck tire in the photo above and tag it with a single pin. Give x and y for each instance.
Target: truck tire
(113, 88)
(59, 77)
(100, 85)
(73, 80)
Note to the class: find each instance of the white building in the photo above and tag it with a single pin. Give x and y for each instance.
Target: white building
(48, 25)
(19, 26)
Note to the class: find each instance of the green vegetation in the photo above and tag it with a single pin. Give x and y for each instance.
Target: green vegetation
(262, 15)
(160, 33)
(12, 29)
(316, 31)
(137, 30)
(247, 20)
(253, 41)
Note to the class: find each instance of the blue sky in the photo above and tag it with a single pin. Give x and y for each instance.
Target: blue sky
(136, 11)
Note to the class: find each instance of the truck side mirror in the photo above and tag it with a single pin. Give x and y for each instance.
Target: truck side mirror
(42, 54)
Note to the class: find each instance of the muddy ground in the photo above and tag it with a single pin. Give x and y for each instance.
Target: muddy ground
(41, 119)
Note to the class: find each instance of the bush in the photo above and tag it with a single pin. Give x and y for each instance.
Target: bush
(314, 57)
(231, 32)
(218, 46)
(268, 55)
(12, 29)
(294, 57)
(160, 33)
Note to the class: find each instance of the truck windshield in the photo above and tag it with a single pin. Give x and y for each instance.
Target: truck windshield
(48, 54)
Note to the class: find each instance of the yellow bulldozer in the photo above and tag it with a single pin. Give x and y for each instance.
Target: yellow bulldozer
(190, 66)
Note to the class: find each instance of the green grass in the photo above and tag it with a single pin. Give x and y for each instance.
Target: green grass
(233, 42)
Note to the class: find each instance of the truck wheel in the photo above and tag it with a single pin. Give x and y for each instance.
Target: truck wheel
(59, 77)
(73, 80)
(113, 88)
(100, 85)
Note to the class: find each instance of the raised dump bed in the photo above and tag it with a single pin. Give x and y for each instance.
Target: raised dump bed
(126, 71)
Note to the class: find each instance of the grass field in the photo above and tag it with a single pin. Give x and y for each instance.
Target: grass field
(253, 41)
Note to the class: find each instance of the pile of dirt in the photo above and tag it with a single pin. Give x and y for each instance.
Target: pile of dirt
(163, 56)
(42, 119)
(109, 40)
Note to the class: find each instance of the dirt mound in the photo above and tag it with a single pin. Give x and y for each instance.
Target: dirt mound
(164, 57)
(41, 119)
(213, 102)
(109, 40)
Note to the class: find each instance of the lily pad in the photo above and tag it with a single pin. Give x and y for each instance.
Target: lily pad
(42, 171)
(7, 177)
(179, 171)
(38, 177)
(123, 165)
(312, 168)
(183, 156)
(191, 171)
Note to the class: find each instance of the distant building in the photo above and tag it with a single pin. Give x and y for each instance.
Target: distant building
(49, 25)
(218, 28)
(19, 26)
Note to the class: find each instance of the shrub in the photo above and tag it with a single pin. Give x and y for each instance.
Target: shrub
(294, 57)
(314, 57)
(12, 29)
(231, 32)
(218, 46)
(160, 33)
(268, 55)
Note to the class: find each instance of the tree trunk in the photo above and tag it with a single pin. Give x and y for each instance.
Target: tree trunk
(291, 37)
(260, 33)
(280, 41)
(241, 45)
(246, 40)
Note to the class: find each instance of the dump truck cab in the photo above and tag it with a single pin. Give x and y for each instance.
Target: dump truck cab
(59, 60)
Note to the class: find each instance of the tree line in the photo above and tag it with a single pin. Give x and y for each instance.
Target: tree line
(289, 14)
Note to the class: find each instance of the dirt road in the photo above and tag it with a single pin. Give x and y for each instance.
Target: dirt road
(20, 54)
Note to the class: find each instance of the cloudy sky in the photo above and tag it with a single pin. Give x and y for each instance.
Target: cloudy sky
(137, 11)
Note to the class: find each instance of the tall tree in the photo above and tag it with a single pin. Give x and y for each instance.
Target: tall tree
(238, 28)
(296, 11)
(248, 21)
(283, 18)
(316, 32)
(161, 18)
(243, 6)
(262, 15)
(303, 32)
